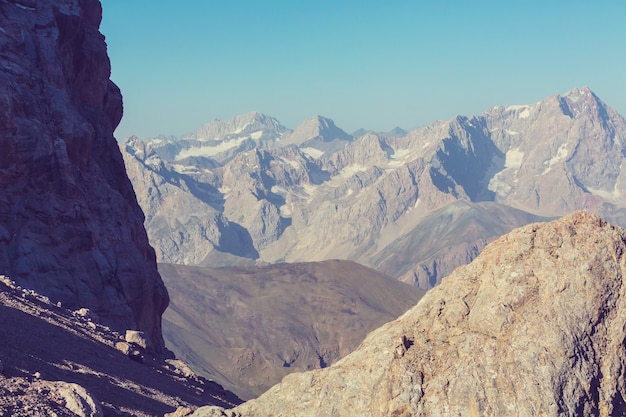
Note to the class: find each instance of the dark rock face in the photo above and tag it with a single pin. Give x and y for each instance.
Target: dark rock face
(70, 225)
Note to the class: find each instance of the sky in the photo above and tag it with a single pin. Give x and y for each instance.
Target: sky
(363, 63)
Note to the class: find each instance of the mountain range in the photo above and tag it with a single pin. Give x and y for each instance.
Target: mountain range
(412, 205)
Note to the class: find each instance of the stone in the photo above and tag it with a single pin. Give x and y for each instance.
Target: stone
(86, 313)
(533, 326)
(138, 338)
(180, 412)
(76, 399)
(70, 225)
(181, 367)
(123, 347)
(137, 356)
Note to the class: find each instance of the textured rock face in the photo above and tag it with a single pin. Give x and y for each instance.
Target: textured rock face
(70, 226)
(534, 326)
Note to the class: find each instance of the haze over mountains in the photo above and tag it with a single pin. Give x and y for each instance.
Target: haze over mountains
(249, 190)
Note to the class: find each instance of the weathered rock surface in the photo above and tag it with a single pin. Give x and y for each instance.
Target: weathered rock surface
(70, 226)
(75, 398)
(534, 326)
(380, 192)
(246, 328)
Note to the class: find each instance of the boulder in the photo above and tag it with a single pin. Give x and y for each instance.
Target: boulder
(75, 398)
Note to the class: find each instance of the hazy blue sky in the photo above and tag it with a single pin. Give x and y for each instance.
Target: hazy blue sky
(372, 64)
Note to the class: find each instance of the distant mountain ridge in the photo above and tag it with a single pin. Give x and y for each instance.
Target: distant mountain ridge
(280, 202)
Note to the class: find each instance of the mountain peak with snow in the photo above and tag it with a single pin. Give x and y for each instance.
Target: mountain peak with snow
(239, 126)
(318, 135)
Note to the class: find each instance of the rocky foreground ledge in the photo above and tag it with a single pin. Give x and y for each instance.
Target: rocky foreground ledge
(58, 362)
(534, 326)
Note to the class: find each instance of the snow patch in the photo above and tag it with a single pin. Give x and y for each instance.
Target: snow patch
(240, 129)
(285, 210)
(21, 6)
(607, 195)
(349, 171)
(309, 189)
(499, 183)
(401, 154)
(312, 152)
(561, 155)
(256, 135)
(511, 132)
(525, 110)
(514, 159)
(209, 151)
(185, 169)
(400, 157)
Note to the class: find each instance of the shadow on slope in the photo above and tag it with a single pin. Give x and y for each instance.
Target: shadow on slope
(41, 338)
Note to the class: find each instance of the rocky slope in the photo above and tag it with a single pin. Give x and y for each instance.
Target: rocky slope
(70, 226)
(382, 192)
(534, 326)
(58, 362)
(247, 328)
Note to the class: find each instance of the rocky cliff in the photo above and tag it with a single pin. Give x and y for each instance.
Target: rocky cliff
(534, 326)
(70, 226)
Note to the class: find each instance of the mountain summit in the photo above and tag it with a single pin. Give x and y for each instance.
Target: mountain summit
(534, 326)
(318, 136)
(246, 124)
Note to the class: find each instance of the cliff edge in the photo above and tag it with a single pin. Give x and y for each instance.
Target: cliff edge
(70, 225)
